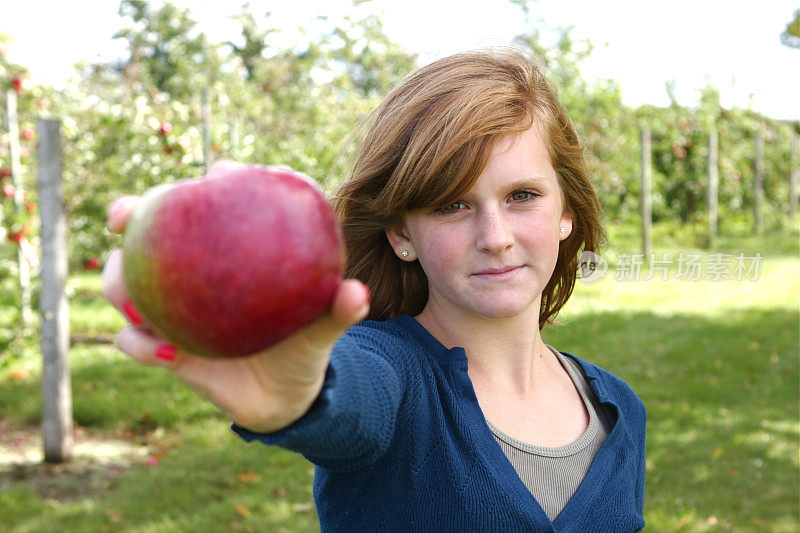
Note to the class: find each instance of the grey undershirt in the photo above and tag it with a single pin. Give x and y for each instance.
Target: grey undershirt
(554, 474)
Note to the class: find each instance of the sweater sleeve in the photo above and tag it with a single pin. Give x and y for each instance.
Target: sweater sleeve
(352, 421)
(642, 464)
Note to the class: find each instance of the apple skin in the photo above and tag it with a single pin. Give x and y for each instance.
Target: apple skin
(227, 266)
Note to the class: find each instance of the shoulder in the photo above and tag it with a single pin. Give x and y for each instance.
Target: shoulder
(378, 333)
(612, 389)
(388, 339)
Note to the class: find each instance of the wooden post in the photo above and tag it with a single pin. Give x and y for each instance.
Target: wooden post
(56, 389)
(206, 131)
(795, 176)
(647, 215)
(19, 204)
(758, 182)
(713, 186)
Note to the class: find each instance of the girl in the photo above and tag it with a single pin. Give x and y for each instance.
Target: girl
(444, 410)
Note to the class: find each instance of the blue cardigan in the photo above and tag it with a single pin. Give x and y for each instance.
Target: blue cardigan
(401, 444)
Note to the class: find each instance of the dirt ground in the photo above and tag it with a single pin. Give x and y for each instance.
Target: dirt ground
(96, 460)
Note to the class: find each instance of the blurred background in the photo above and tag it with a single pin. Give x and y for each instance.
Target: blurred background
(700, 98)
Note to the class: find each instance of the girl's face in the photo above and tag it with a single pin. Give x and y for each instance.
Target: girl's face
(492, 252)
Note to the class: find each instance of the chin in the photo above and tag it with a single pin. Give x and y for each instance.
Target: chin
(498, 310)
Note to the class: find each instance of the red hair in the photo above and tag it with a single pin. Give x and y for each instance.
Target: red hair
(427, 143)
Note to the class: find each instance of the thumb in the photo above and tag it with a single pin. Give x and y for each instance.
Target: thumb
(350, 305)
(351, 302)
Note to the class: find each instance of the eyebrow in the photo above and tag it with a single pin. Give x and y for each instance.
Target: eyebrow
(533, 181)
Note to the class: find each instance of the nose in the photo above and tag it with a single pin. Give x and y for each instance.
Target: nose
(494, 233)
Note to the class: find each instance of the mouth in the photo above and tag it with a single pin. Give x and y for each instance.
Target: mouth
(498, 273)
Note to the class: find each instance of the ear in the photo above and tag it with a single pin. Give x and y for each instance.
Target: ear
(566, 223)
(400, 242)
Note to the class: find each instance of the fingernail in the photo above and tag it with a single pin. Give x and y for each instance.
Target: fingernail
(132, 314)
(166, 352)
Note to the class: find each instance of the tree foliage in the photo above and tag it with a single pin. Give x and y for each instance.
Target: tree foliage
(610, 131)
(791, 35)
(269, 104)
(137, 122)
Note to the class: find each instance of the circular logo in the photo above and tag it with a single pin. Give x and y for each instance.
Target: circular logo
(591, 267)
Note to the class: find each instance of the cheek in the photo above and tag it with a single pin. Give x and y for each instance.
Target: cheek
(439, 252)
(540, 238)
(437, 255)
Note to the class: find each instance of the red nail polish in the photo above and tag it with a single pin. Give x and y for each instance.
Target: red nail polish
(166, 352)
(132, 314)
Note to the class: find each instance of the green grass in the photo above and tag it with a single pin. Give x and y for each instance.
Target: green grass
(88, 314)
(194, 486)
(716, 363)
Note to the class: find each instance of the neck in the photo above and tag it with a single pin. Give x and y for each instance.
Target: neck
(508, 351)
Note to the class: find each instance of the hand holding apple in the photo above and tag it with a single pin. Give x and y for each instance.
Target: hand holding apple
(228, 265)
(263, 391)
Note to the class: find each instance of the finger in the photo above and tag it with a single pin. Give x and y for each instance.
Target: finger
(120, 211)
(351, 302)
(116, 292)
(222, 166)
(147, 348)
(114, 288)
(350, 305)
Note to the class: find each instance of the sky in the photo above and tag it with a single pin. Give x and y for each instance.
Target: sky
(734, 46)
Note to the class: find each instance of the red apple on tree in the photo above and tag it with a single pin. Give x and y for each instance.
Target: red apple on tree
(5, 172)
(28, 134)
(165, 129)
(91, 264)
(17, 236)
(16, 84)
(9, 190)
(228, 265)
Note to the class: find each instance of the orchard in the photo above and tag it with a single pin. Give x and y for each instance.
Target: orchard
(130, 125)
(176, 101)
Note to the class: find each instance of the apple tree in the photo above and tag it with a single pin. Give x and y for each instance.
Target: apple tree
(18, 209)
(139, 121)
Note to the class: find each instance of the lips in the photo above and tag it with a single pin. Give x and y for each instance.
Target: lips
(498, 272)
